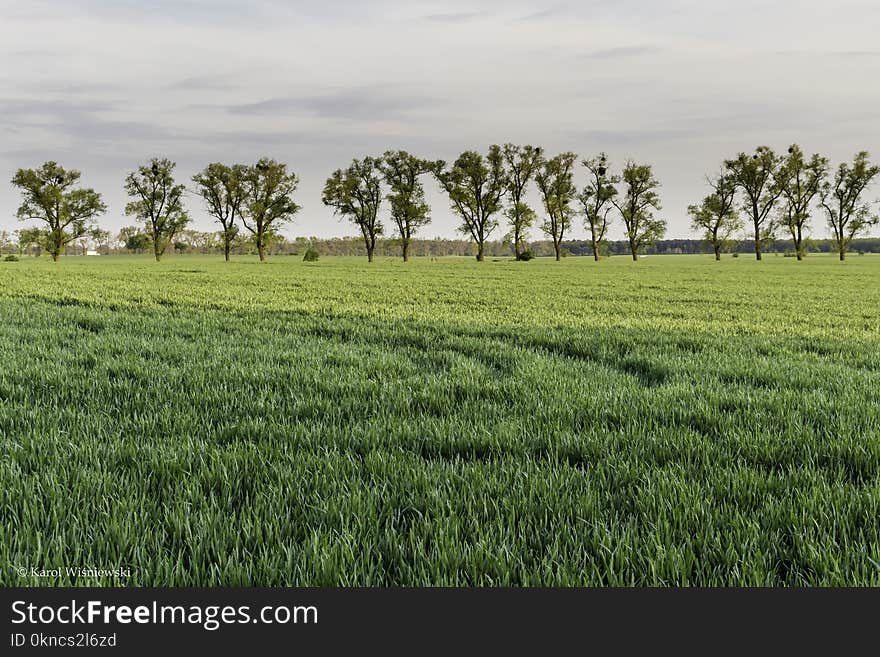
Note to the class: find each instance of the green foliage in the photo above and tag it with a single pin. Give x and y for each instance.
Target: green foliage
(222, 187)
(268, 201)
(475, 186)
(640, 200)
(525, 256)
(138, 242)
(355, 194)
(158, 202)
(409, 209)
(555, 180)
(717, 217)
(596, 199)
(311, 255)
(51, 197)
(28, 237)
(457, 425)
(520, 164)
(801, 180)
(11, 258)
(761, 180)
(848, 214)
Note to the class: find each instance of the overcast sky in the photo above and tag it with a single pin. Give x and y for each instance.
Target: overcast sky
(102, 85)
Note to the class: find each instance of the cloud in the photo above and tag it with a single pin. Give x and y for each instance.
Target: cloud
(623, 51)
(540, 15)
(202, 83)
(455, 17)
(353, 105)
(83, 121)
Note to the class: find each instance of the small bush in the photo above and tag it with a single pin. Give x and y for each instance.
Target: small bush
(735, 254)
(525, 255)
(11, 258)
(311, 255)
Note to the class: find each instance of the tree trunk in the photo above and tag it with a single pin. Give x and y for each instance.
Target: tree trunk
(261, 249)
(557, 249)
(369, 254)
(405, 244)
(480, 257)
(842, 255)
(717, 252)
(226, 250)
(757, 235)
(595, 251)
(55, 257)
(635, 251)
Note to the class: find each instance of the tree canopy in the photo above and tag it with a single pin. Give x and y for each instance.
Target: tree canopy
(268, 200)
(222, 187)
(759, 177)
(51, 196)
(475, 185)
(640, 200)
(717, 217)
(847, 212)
(521, 163)
(801, 179)
(555, 180)
(355, 193)
(409, 209)
(597, 200)
(158, 202)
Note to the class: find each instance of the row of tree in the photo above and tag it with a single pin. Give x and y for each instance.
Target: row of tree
(259, 197)
(780, 191)
(481, 188)
(769, 189)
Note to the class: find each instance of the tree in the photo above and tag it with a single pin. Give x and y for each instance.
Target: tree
(801, 180)
(268, 201)
(409, 210)
(158, 202)
(762, 182)
(355, 193)
(222, 188)
(133, 238)
(848, 214)
(51, 196)
(100, 237)
(717, 216)
(28, 237)
(555, 180)
(597, 200)
(138, 242)
(521, 163)
(637, 207)
(475, 185)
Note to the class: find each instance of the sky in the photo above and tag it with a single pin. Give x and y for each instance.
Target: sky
(103, 85)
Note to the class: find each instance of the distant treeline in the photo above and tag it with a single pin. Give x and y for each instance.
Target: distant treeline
(353, 246)
(196, 242)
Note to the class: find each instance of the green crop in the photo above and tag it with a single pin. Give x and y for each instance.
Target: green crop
(675, 421)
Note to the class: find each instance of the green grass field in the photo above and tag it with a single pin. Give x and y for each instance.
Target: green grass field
(672, 422)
